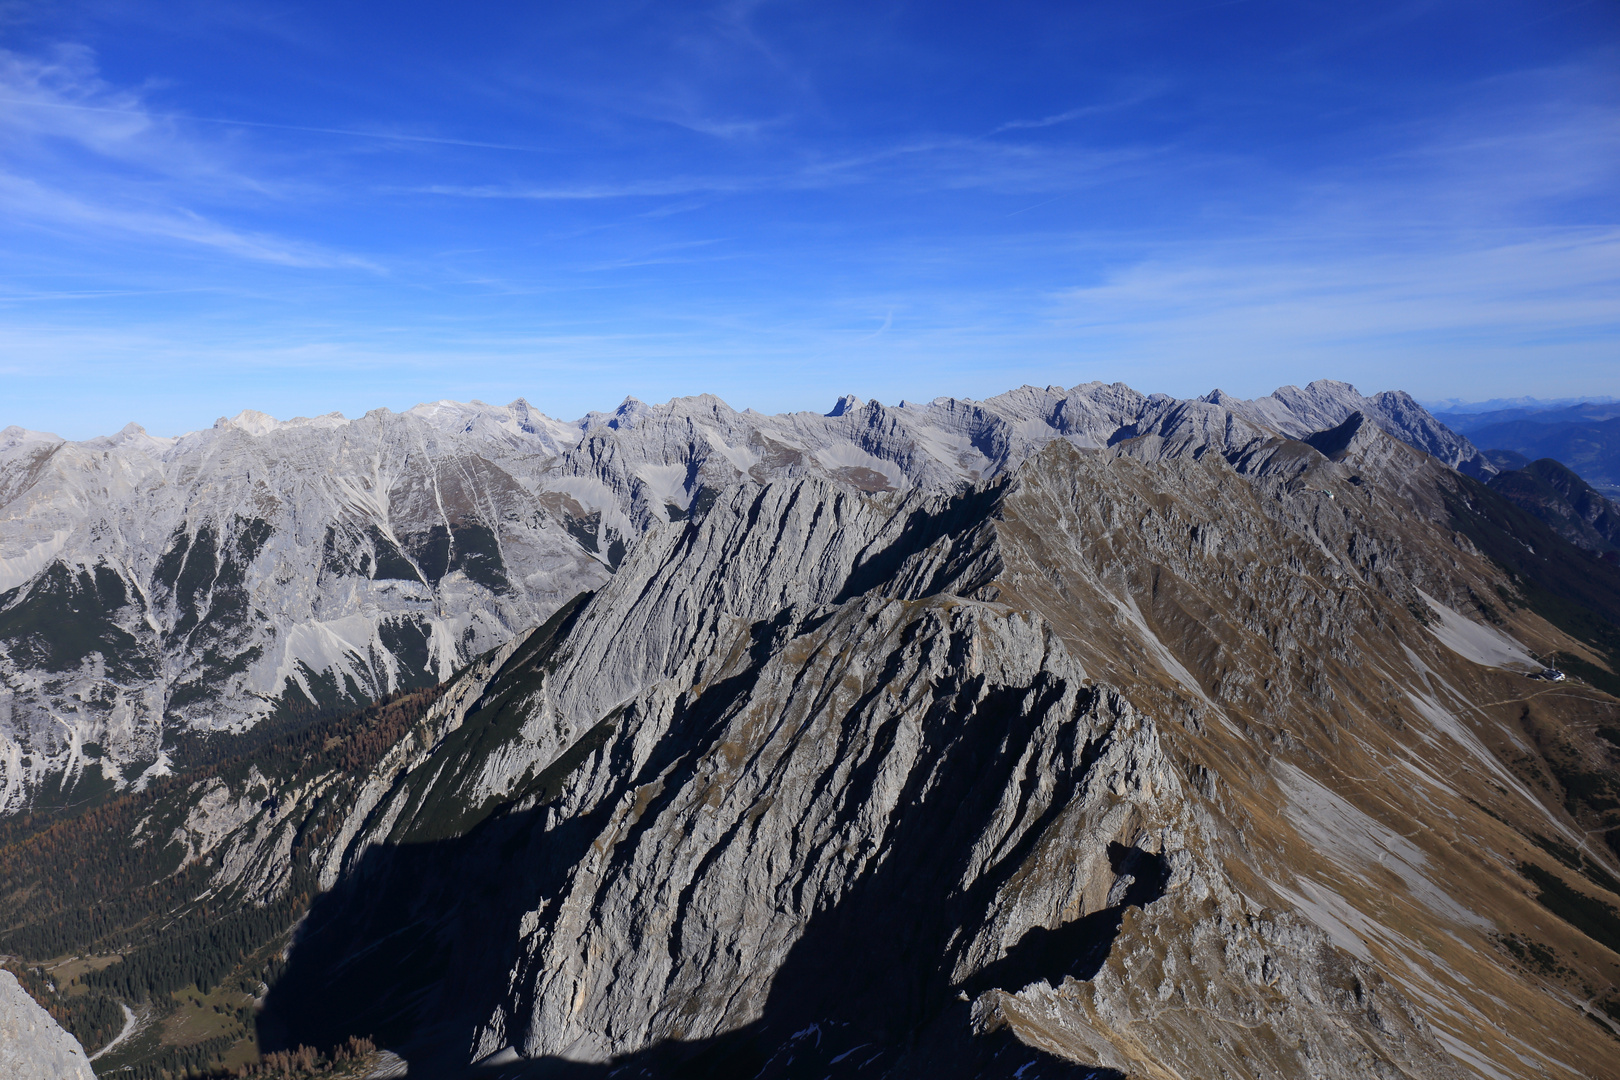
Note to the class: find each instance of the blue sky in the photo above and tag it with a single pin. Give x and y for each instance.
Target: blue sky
(298, 208)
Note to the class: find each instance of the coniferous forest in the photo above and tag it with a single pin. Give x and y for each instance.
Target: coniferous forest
(107, 912)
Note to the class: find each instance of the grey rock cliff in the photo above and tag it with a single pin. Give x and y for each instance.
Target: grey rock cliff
(258, 569)
(32, 1045)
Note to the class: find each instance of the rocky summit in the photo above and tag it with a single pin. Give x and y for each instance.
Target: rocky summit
(1072, 733)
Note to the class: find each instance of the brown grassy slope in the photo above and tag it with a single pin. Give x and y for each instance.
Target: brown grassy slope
(1364, 772)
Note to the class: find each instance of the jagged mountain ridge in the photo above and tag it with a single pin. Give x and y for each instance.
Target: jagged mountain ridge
(1189, 755)
(790, 723)
(153, 586)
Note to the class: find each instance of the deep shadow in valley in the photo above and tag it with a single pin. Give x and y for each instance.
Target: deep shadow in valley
(418, 944)
(776, 1051)
(1077, 949)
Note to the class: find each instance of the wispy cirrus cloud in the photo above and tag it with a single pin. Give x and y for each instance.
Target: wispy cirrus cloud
(64, 117)
(43, 206)
(723, 129)
(355, 133)
(86, 159)
(725, 196)
(1417, 309)
(1100, 109)
(588, 192)
(924, 164)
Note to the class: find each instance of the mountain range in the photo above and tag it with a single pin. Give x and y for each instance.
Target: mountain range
(1590, 448)
(1449, 410)
(155, 591)
(1575, 509)
(1075, 732)
(1583, 436)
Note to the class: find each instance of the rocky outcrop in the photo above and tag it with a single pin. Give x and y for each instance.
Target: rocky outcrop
(1325, 404)
(260, 570)
(1186, 995)
(32, 1045)
(281, 569)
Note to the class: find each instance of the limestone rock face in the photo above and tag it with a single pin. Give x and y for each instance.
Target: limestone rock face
(32, 1045)
(265, 569)
(1325, 403)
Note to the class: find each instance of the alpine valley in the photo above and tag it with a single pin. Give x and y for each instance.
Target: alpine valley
(1068, 733)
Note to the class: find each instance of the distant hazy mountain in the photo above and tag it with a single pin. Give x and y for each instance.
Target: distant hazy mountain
(1457, 406)
(1556, 495)
(1590, 447)
(1582, 435)
(1579, 413)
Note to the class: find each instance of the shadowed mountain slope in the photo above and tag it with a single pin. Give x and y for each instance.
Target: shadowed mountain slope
(1576, 511)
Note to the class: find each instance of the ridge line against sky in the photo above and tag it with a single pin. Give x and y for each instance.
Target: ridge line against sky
(609, 410)
(205, 208)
